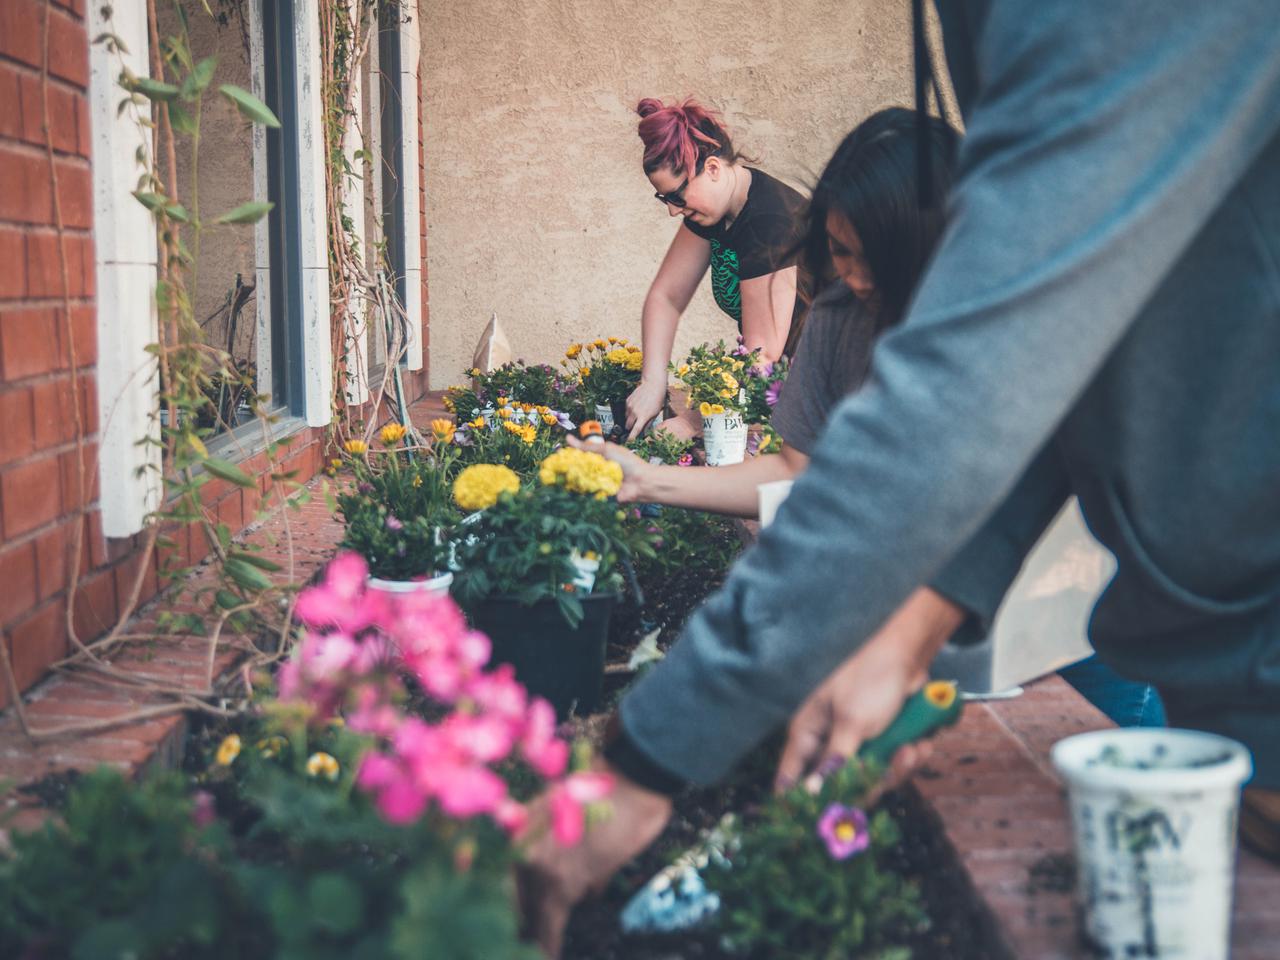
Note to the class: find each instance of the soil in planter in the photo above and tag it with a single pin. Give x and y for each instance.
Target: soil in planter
(959, 926)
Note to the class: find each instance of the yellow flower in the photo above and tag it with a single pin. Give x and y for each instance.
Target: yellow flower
(581, 472)
(622, 357)
(729, 380)
(573, 351)
(684, 369)
(590, 556)
(765, 441)
(510, 427)
(727, 393)
(709, 409)
(356, 447)
(443, 429)
(272, 746)
(479, 486)
(503, 401)
(322, 765)
(228, 750)
(599, 344)
(616, 340)
(477, 423)
(416, 482)
(335, 463)
(392, 434)
(548, 419)
(529, 434)
(475, 371)
(449, 404)
(504, 413)
(941, 693)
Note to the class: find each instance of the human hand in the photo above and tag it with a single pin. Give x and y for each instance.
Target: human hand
(645, 403)
(553, 878)
(635, 468)
(865, 693)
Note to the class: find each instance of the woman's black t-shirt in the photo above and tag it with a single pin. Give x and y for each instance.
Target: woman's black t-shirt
(760, 241)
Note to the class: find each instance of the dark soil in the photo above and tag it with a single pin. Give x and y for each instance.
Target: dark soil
(51, 790)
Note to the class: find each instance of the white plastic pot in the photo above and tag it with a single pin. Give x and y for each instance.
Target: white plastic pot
(585, 571)
(1154, 817)
(438, 584)
(724, 436)
(604, 413)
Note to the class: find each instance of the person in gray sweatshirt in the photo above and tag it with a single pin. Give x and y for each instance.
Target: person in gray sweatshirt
(1101, 318)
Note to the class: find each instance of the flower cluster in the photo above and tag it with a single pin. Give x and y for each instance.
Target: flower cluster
(360, 644)
(479, 485)
(512, 433)
(719, 379)
(581, 471)
(517, 382)
(608, 370)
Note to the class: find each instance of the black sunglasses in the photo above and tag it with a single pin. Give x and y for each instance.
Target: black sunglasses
(676, 197)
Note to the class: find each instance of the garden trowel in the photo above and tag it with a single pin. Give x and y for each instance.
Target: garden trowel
(676, 898)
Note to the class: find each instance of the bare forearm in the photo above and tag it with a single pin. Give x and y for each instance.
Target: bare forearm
(658, 324)
(730, 490)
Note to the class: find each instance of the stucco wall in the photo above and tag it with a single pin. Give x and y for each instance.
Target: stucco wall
(536, 204)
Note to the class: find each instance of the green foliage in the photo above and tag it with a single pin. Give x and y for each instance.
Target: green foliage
(783, 894)
(399, 509)
(520, 382)
(737, 380)
(687, 542)
(607, 371)
(520, 441)
(523, 546)
(661, 446)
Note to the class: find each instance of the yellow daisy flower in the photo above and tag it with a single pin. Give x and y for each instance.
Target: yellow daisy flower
(356, 447)
(228, 750)
(392, 434)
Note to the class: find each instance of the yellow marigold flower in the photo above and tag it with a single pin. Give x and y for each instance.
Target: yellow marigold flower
(504, 413)
(581, 472)
(391, 434)
(709, 409)
(228, 750)
(356, 447)
(443, 429)
(479, 486)
(322, 765)
(272, 746)
(622, 357)
(573, 351)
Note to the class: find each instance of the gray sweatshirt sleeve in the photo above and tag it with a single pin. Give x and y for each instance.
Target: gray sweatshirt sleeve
(1103, 137)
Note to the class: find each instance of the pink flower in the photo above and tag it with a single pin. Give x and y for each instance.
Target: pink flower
(466, 791)
(686, 460)
(499, 692)
(484, 738)
(844, 831)
(567, 800)
(546, 752)
(398, 799)
(342, 600)
(512, 816)
(204, 809)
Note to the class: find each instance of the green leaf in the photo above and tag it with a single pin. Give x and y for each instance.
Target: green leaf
(152, 89)
(227, 600)
(259, 561)
(249, 106)
(335, 902)
(250, 212)
(198, 78)
(181, 119)
(152, 201)
(226, 470)
(246, 575)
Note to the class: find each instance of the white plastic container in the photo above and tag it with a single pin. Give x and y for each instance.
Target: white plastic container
(585, 569)
(1154, 816)
(437, 584)
(604, 413)
(771, 495)
(724, 436)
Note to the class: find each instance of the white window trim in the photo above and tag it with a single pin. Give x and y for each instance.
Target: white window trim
(356, 320)
(410, 53)
(125, 263)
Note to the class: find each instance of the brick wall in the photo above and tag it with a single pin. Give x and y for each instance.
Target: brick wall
(42, 499)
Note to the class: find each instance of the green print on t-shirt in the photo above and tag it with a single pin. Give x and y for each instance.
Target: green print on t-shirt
(724, 279)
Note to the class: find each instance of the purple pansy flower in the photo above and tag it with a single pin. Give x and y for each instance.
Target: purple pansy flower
(844, 831)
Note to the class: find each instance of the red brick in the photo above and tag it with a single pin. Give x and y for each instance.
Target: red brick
(31, 495)
(95, 544)
(80, 337)
(75, 194)
(95, 605)
(18, 575)
(53, 559)
(11, 118)
(44, 265)
(75, 6)
(53, 420)
(28, 342)
(37, 642)
(16, 435)
(231, 511)
(63, 122)
(84, 132)
(68, 50)
(28, 194)
(126, 573)
(13, 264)
(20, 33)
(79, 477)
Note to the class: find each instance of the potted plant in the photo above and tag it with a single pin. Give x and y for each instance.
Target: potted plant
(515, 434)
(730, 389)
(399, 510)
(608, 371)
(539, 569)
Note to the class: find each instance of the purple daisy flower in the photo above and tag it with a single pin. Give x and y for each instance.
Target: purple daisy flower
(772, 393)
(394, 524)
(844, 831)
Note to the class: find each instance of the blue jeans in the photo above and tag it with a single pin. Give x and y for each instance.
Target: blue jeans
(1127, 702)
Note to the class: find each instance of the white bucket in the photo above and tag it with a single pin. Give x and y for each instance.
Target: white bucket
(604, 413)
(585, 571)
(437, 584)
(1154, 817)
(724, 436)
(771, 495)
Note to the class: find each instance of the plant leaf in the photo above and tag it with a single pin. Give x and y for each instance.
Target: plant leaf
(226, 470)
(198, 79)
(250, 212)
(152, 89)
(249, 105)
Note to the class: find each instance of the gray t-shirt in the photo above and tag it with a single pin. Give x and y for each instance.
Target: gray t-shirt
(832, 361)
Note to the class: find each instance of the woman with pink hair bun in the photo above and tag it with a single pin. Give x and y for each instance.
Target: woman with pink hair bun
(737, 220)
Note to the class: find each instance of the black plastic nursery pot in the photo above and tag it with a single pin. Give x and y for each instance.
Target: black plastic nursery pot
(553, 660)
